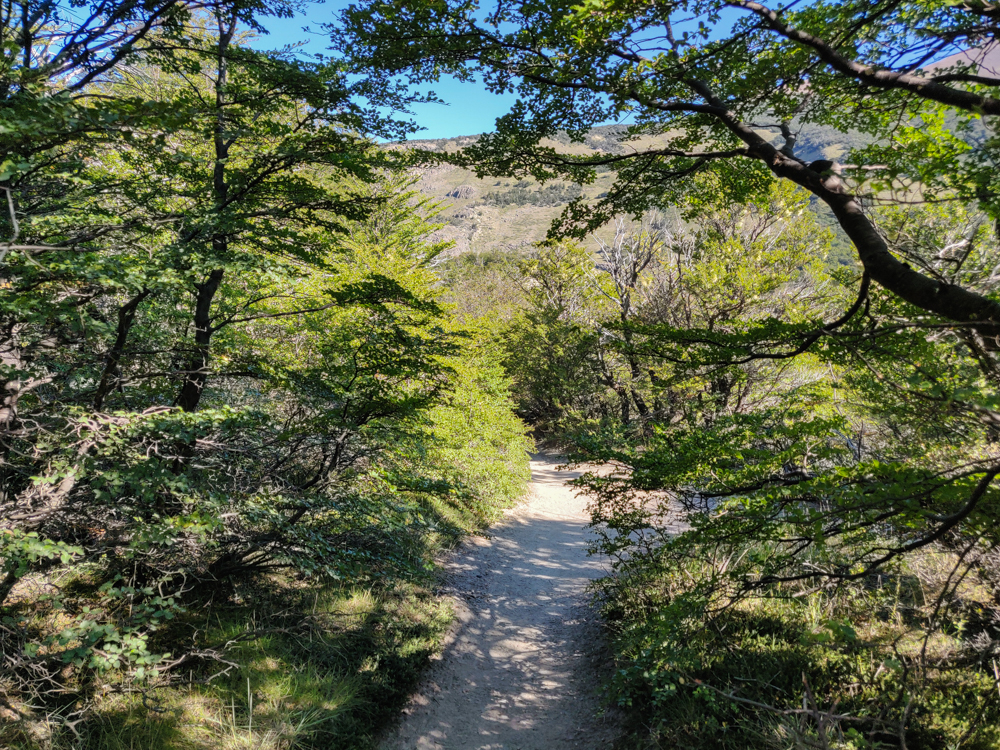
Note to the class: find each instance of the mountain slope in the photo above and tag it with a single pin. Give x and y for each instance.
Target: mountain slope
(509, 215)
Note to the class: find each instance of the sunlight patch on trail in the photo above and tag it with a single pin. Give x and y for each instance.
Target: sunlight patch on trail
(521, 667)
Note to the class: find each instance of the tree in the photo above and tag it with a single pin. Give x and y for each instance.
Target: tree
(587, 342)
(218, 329)
(714, 100)
(243, 185)
(551, 348)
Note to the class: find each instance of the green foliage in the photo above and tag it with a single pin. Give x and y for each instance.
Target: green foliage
(552, 363)
(477, 440)
(480, 288)
(786, 670)
(588, 349)
(861, 470)
(549, 351)
(20, 550)
(223, 353)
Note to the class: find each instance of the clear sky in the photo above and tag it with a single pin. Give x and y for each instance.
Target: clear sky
(470, 108)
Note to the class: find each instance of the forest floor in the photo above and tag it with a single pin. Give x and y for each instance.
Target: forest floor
(522, 668)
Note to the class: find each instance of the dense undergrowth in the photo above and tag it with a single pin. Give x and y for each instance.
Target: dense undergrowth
(276, 662)
(280, 661)
(789, 667)
(297, 667)
(284, 661)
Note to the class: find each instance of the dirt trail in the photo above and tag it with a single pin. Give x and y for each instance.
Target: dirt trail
(520, 670)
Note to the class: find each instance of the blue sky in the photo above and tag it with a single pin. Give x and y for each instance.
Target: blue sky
(470, 109)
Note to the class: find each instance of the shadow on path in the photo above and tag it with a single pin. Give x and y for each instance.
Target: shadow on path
(520, 670)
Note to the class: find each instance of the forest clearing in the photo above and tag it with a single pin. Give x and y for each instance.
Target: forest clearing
(273, 368)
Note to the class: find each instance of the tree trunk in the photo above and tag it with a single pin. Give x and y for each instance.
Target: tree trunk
(126, 317)
(197, 371)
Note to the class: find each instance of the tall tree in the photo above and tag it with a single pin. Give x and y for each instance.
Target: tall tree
(196, 210)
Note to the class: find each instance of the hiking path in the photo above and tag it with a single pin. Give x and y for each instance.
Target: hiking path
(521, 669)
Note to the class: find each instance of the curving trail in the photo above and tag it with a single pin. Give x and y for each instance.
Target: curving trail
(521, 669)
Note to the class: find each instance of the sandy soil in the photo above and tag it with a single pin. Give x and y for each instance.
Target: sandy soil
(521, 668)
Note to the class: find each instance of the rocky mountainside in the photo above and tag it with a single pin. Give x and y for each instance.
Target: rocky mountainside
(489, 215)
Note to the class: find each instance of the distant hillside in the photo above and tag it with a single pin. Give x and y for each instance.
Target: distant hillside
(486, 215)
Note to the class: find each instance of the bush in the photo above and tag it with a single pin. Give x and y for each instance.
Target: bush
(855, 666)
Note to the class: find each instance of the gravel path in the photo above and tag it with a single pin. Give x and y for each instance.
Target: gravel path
(520, 670)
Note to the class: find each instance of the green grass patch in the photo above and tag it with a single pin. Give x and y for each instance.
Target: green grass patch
(296, 667)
